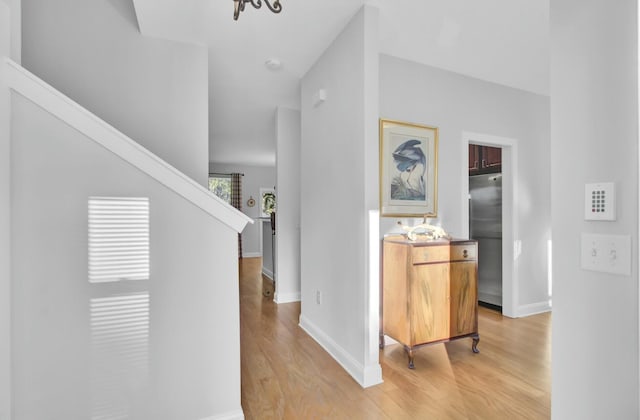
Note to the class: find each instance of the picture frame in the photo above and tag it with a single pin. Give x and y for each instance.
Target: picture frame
(267, 201)
(408, 169)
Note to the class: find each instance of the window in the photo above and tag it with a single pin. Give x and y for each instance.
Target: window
(118, 239)
(220, 185)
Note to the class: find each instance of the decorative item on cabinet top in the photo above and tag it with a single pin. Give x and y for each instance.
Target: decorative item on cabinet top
(425, 231)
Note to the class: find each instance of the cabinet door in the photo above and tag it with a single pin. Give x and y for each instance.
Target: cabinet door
(395, 322)
(464, 298)
(474, 157)
(429, 303)
(491, 156)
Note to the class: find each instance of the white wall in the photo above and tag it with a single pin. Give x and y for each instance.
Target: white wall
(194, 302)
(255, 177)
(5, 219)
(594, 119)
(268, 246)
(455, 104)
(16, 29)
(288, 214)
(154, 91)
(334, 247)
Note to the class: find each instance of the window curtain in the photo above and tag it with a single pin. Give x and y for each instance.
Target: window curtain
(236, 201)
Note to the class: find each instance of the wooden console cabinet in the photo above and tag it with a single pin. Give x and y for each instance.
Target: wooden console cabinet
(429, 292)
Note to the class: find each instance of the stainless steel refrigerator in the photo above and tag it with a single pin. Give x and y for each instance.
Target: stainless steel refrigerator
(485, 226)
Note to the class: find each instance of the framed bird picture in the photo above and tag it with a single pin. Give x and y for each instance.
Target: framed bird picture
(408, 169)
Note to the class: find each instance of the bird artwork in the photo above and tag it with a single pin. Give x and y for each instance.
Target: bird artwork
(409, 183)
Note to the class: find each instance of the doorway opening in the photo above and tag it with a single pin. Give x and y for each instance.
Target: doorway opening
(495, 227)
(485, 220)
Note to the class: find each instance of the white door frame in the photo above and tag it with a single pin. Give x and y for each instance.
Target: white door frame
(510, 244)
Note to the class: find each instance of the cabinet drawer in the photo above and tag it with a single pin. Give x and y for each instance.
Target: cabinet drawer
(463, 252)
(430, 254)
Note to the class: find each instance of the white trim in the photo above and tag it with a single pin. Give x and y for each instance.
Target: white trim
(286, 297)
(372, 369)
(389, 341)
(268, 273)
(59, 105)
(638, 173)
(490, 298)
(365, 377)
(510, 242)
(533, 309)
(7, 31)
(251, 254)
(229, 415)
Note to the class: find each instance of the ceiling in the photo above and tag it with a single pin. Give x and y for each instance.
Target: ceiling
(501, 41)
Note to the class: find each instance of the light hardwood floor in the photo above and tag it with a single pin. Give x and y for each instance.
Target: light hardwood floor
(287, 375)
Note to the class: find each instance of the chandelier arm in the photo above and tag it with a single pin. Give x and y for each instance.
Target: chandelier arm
(276, 8)
(239, 6)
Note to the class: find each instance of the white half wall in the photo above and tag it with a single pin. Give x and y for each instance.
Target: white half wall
(154, 91)
(594, 138)
(334, 214)
(288, 209)
(62, 368)
(5, 219)
(255, 177)
(457, 104)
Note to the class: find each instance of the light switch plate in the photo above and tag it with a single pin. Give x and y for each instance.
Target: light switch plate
(606, 253)
(600, 201)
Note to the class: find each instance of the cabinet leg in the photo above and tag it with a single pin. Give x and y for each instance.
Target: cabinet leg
(474, 344)
(410, 356)
(381, 345)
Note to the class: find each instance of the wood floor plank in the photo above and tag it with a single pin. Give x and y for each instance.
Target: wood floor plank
(287, 375)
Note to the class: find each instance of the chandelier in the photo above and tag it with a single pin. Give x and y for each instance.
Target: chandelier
(239, 6)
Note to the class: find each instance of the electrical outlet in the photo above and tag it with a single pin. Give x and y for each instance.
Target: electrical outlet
(318, 297)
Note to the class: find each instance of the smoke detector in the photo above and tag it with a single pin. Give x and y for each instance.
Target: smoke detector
(273, 64)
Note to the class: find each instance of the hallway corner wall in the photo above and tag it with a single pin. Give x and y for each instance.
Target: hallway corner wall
(594, 133)
(288, 207)
(5, 217)
(336, 143)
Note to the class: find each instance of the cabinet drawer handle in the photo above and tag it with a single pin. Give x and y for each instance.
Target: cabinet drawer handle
(465, 253)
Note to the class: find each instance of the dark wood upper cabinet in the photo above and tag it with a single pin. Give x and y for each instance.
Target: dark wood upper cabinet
(484, 159)
(474, 157)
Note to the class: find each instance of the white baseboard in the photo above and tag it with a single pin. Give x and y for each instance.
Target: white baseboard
(533, 309)
(251, 254)
(287, 297)
(365, 376)
(267, 273)
(372, 375)
(230, 415)
(388, 341)
(491, 298)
